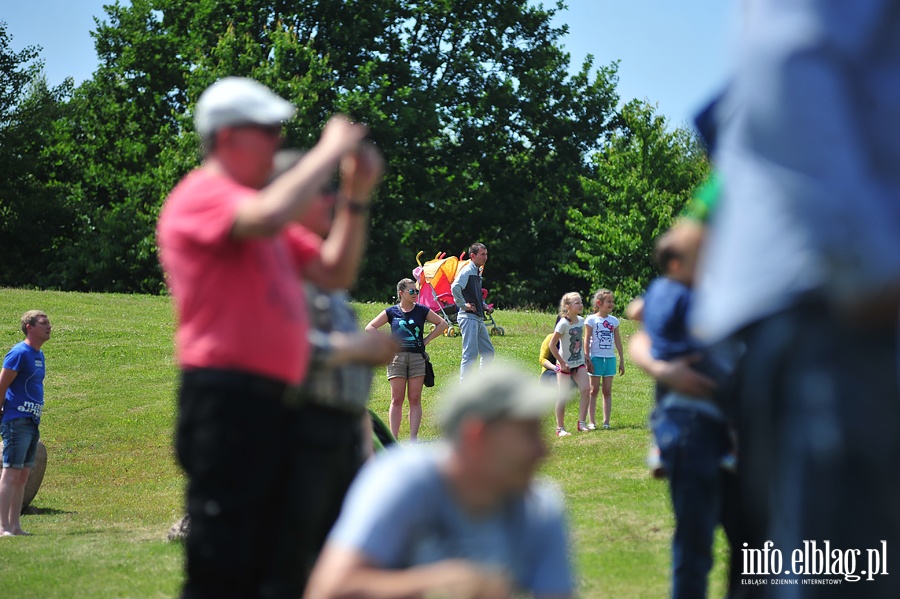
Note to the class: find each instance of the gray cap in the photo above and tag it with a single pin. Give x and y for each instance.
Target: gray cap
(496, 392)
(239, 101)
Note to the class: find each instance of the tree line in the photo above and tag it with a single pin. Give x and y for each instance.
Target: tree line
(486, 134)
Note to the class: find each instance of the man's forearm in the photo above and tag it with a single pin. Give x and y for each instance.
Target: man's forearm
(342, 250)
(639, 349)
(448, 579)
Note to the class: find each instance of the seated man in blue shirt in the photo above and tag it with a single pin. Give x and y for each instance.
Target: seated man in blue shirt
(464, 519)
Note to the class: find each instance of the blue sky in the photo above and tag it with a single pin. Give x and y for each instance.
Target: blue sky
(675, 54)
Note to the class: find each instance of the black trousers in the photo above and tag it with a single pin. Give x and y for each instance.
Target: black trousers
(819, 414)
(266, 480)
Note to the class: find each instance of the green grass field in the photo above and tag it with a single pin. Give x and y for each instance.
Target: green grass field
(113, 488)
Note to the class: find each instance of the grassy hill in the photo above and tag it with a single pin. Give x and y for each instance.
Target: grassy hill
(112, 486)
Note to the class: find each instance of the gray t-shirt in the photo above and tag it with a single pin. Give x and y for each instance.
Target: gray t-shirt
(400, 513)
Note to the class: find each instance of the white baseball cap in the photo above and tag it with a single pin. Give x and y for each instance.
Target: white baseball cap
(239, 101)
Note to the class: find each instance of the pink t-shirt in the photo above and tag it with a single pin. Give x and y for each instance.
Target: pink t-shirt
(240, 302)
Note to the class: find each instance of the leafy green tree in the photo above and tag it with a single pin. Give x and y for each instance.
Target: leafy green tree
(487, 137)
(643, 175)
(470, 101)
(16, 71)
(35, 207)
(485, 133)
(130, 131)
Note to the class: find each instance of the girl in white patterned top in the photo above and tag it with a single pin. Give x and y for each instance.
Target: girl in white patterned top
(601, 330)
(567, 346)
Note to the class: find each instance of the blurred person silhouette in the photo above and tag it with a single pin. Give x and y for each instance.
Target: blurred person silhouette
(802, 264)
(690, 427)
(464, 519)
(235, 259)
(339, 376)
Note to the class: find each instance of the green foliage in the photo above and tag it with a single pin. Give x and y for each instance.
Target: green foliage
(642, 177)
(112, 486)
(35, 205)
(498, 135)
(16, 71)
(486, 135)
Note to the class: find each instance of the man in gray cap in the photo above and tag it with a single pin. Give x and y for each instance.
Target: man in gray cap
(465, 519)
(262, 469)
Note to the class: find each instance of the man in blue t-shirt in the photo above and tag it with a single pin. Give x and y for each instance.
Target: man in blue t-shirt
(21, 404)
(465, 519)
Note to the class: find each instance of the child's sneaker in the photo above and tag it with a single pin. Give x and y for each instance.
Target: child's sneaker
(561, 432)
(591, 426)
(582, 427)
(606, 427)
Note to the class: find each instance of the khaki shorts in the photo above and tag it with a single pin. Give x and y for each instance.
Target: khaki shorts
(407, 365)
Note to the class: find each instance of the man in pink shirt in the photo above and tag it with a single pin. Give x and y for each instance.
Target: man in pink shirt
(235, 258)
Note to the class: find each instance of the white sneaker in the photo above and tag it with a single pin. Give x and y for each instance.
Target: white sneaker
(561, 432)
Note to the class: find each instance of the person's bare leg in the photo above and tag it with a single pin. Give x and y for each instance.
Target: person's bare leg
(18, 498)
(595, 391)
(12, 492)
(6, 493)
(563, 381)
(584, 389)
(607, 398)
(395, 412)
(414, 393)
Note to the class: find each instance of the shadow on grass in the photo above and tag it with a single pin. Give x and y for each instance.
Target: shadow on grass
(622, 427)
(32, 510)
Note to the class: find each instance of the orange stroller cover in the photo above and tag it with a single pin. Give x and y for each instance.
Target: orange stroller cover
(435, 278)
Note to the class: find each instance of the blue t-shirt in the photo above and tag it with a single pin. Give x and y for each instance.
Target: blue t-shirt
(25, 396)
(407, 327)
(666, 305)
(413, 520)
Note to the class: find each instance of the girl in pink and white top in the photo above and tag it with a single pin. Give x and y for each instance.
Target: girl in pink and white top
(602, 332)
(567, 346)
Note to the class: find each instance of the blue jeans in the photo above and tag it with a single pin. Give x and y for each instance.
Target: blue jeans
(475, 341)
(691, 445)
(20, 440)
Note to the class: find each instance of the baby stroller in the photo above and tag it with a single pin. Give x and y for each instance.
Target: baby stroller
(434, 279)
